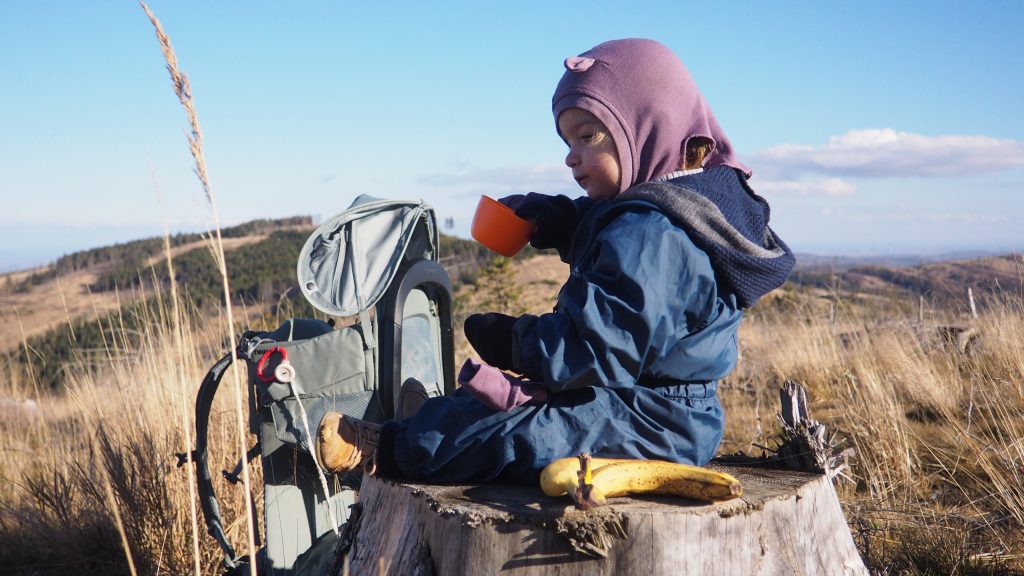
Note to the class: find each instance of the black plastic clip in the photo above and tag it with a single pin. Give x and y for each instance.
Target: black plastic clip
(234, 475)
(183, 458)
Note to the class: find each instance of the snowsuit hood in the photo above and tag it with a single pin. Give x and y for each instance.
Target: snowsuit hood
(728, 221)
(644, 95)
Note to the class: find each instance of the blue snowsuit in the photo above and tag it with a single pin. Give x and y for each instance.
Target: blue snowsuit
(632, 352)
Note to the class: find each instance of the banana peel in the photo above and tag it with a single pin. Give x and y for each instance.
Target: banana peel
(591, 481)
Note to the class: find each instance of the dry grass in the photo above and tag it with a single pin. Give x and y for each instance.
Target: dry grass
(103, 498)
(937, 430)
(109, 445)
(936, 486)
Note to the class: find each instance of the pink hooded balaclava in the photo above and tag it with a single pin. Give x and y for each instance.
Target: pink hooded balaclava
(640, 91)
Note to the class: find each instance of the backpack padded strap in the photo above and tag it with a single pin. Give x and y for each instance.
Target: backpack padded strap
(204, 483)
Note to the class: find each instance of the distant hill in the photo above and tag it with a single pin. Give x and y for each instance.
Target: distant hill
(100, 295)
(944, 282)
(123, 260)
(806, 261)
(82, 299)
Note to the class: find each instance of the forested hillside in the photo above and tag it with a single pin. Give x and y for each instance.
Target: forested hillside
(261, 268)
(261, 276)
(125, 260)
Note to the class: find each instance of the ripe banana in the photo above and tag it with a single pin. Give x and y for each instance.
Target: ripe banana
(561, 476)
(612, 477)
(658, 477)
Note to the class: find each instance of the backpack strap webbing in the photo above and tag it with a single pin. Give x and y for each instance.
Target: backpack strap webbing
(204, 482)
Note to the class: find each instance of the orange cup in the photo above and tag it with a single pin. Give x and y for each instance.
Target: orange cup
(497, 227)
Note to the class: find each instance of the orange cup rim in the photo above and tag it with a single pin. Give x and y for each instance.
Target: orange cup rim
(497, 227)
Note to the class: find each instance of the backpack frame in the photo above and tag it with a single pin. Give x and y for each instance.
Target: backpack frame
(375, 263)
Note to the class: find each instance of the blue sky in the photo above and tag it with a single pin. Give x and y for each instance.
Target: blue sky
(871, 126)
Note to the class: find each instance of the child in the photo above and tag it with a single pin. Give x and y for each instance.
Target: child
(668, 248)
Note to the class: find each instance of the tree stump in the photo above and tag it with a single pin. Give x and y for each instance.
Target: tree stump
(786, 523)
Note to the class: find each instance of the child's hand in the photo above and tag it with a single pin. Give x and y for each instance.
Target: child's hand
(491, 336)
(512, 201)
(555, 217)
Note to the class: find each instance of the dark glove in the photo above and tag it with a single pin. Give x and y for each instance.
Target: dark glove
(491, 336)
(512, 201)
(555, 216)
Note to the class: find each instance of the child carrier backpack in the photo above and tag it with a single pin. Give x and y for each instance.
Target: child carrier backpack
(376, 263)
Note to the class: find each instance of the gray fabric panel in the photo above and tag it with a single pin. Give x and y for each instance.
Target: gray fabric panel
(348, 262)
(703, 216)
(295, 513)
(332, 372)
(335, 363)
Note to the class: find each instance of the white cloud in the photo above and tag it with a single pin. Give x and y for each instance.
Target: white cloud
(966, 218)
(827, 187)
(878, 153)
(789, 169)
(904, 216)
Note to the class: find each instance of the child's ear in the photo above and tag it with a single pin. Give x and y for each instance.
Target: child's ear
(682, 157)
(693, 156)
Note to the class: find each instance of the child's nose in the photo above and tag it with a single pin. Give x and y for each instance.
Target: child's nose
(572, 159)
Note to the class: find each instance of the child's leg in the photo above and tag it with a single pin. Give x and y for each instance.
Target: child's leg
(458, 439)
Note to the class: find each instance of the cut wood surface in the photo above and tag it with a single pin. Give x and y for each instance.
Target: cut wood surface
(785, 523)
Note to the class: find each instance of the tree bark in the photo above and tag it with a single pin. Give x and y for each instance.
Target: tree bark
(786, 523)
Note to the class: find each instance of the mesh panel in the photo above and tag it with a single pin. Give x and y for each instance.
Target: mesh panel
(421, 342)
(418, 355)
(351, 404)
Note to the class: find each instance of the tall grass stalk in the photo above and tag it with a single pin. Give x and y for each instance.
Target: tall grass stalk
(175, 322)
(64, 303)
(28, 355)
(195, 139)
(120, 527)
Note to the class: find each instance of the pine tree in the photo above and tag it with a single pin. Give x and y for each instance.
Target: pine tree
(499, 292)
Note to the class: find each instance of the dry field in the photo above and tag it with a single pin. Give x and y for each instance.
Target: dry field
(935, 486)
(46, 306)
(90, 482)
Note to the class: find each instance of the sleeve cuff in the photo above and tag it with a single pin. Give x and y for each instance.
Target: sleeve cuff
(526, 348)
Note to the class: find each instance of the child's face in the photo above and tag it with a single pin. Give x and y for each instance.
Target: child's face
(592, 155)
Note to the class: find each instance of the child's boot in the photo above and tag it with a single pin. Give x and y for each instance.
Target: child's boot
(344, 443)
(411, 396)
